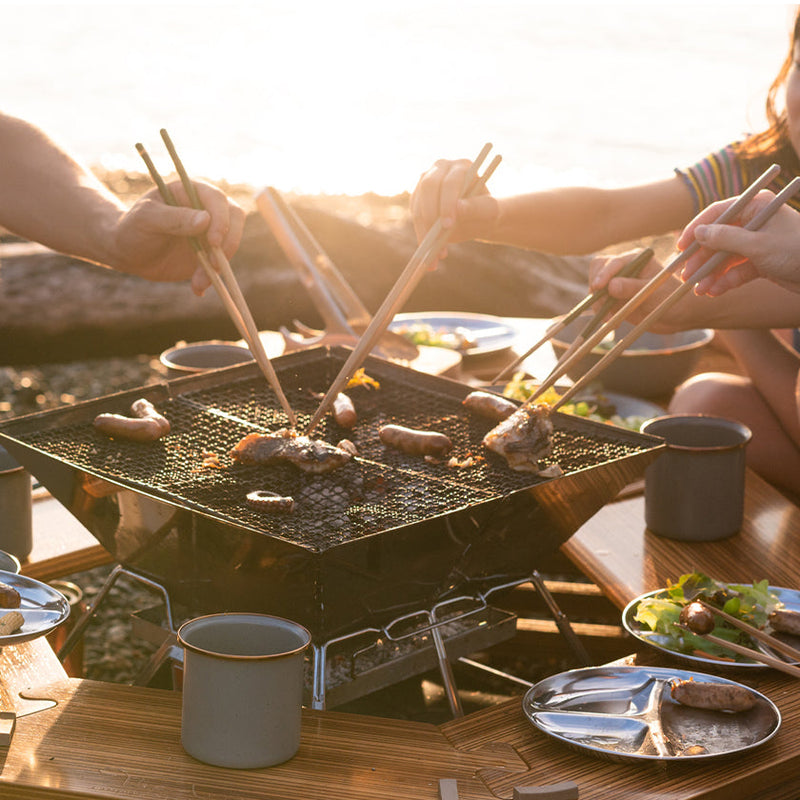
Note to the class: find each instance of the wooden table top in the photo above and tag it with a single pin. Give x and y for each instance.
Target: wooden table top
(104, 740)
(617, 551)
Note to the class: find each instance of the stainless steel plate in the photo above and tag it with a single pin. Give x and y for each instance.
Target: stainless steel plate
(489, 334)
(789, 597)
(43, 607)
(623, 713)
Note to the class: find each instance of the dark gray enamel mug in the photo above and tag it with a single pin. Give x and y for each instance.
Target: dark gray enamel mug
(694, 490)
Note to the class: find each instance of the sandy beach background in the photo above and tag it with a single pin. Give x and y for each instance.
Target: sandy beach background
(359, 96)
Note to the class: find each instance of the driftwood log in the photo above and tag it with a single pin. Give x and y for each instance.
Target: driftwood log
(55, 308)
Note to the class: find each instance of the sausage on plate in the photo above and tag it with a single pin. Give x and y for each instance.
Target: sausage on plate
(783, 620)
(9, 596)
(713, 696)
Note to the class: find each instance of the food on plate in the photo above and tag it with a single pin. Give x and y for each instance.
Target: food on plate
(783, 620)
(712, 696)
(421, 333)
(11, 622)
(344, 412)
(524, 438)
(146, 425)
(269, 501)
(697, 618)
(308, 455)
(9, 596)
(659, 613)
(489, 405)
(415, 442)
(597, 407)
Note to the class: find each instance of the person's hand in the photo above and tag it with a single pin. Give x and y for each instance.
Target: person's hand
(773, 252)
(151, 238)
(436, 196)
(603, 271)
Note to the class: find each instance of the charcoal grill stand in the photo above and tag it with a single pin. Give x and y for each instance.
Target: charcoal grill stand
(434, 620)
(80, 626)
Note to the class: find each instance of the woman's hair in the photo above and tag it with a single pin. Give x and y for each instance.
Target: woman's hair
(773, 145)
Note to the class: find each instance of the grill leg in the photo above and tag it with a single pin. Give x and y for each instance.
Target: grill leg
(85, 618)
(168, 651)
(318, 688)
(446, 670)
(562, 622)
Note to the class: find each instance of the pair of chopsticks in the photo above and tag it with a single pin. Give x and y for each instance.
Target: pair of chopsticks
(713, 262)
(755, 633)
(427, 250)
(630, 270)
(224, 282)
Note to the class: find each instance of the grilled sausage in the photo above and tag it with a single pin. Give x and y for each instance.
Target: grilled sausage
(785, 621)
(489, 405)
(713, 696)
(146, 425)
(697, 618)
(344, 412)
(9, 596)
(414, 442)
(11, 622)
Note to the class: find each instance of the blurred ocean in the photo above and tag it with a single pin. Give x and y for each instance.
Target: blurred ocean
(363, 95)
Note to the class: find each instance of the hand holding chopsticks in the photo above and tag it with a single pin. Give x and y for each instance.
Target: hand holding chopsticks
(630, 270)
(429, 248)
(224, 282)
(654, 284)
(713, 263)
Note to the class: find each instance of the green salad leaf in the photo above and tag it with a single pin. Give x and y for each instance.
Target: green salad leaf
(658, 614)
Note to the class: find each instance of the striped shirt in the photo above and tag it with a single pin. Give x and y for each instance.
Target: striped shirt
(722, 175)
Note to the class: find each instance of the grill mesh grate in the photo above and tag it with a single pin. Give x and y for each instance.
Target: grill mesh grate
(380, 490)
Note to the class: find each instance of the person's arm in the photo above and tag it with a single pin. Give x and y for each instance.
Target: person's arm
(48, 197)
(561, 221)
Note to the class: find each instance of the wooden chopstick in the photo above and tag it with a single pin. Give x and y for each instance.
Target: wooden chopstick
(715, 261)
(224, 282)
(634, 267)
(755, 655)
(751, 630)
(621, 314)
(430, 246)
(630, 270)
